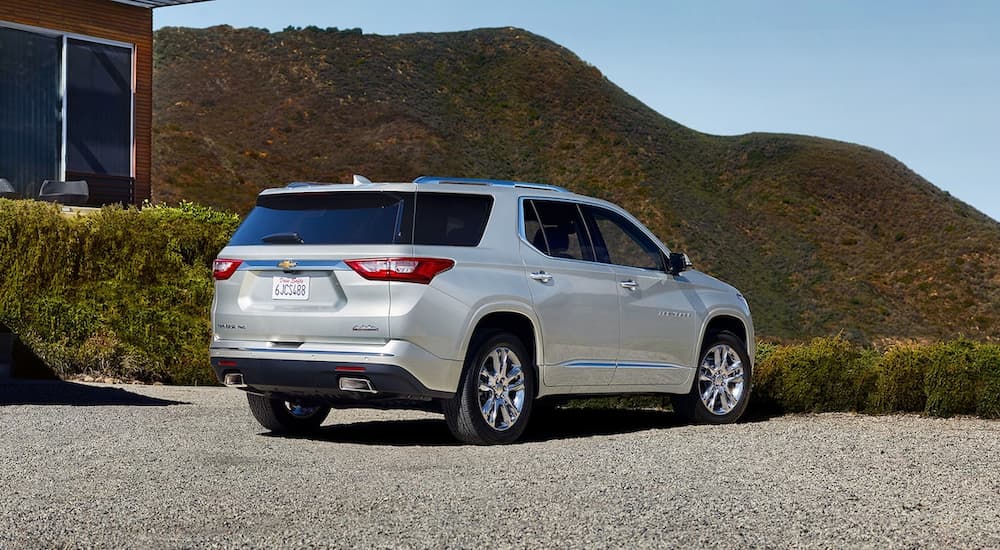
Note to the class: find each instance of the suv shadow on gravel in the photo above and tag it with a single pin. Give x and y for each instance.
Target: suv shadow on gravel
(553, 425)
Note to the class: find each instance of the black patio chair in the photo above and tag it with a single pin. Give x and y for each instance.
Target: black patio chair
(70, 193)
(7, 190)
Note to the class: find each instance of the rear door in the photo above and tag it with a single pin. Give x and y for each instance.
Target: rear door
(293, 284)
(575, 298)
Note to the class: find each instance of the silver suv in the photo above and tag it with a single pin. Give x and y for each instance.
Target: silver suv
(480, 296)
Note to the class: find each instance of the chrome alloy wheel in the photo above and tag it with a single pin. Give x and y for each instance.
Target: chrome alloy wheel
(300, 411)
(720, 379)
(501, 388)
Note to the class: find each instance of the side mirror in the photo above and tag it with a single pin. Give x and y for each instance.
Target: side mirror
(678, 262)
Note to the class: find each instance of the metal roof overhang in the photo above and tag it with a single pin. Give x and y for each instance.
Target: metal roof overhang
(157, 3)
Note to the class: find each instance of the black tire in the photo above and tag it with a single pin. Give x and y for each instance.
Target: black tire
(463, 413)
(277, 416)
(692, 407)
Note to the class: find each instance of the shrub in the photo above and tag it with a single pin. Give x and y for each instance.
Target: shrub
(988, 405)
(952, 378)
(121, 292)
(827, 374)
(764, 350)
(900, 380)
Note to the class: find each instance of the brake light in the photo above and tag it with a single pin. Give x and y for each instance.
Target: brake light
(413, 270)
(223, 268)
(349, 369)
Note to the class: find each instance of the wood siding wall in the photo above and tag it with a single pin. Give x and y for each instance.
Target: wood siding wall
(110, 21)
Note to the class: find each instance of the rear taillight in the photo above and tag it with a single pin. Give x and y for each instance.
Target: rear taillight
(349, 369)
(414, 270)
(223, 268)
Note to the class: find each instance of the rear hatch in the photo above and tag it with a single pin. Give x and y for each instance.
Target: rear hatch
(290, 276)
(316, 265)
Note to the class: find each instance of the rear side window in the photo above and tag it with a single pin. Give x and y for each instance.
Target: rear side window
(451, 219)
(556, 228)
(366, 217)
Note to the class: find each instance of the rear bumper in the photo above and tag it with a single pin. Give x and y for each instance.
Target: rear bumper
(395, 369)
(321, 379)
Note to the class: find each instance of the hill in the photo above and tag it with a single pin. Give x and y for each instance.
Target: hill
(822, 236)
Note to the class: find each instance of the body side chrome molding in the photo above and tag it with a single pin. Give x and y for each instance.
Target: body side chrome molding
(626, 365)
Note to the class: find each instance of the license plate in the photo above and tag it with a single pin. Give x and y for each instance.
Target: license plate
(290, 288)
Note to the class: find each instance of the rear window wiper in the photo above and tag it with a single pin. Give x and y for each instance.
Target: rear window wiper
(283, 238)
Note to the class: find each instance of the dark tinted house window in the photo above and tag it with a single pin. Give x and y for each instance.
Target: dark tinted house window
(327, 218)
(98, 109)
(30, 130)
(562, 233)
(451, 220)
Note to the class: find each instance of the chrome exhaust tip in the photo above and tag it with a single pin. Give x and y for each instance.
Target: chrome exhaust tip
(233, 380)
(356, 384)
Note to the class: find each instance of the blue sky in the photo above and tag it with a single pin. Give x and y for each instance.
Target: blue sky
(917, 79)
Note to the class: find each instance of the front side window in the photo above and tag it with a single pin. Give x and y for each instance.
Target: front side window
(556, 228)
(618, 241)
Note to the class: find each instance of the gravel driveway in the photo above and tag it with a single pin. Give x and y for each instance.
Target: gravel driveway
(146, 466)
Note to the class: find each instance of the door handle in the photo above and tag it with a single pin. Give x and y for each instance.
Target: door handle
(541, 276)
(629, 284)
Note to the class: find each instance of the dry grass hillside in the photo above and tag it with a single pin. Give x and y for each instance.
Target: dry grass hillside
(822, 236)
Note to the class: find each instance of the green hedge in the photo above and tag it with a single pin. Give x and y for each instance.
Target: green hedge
(827, 375)
(122, 292)
(830, 374)
(834, 375)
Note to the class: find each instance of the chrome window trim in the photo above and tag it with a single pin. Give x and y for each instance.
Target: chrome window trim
(642, 230)
(607, 206)
(524, 239)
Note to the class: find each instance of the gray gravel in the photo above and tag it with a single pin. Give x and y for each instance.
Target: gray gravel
(145, 466)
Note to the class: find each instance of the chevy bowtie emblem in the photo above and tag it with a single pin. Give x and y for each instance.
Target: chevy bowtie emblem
(287, 264)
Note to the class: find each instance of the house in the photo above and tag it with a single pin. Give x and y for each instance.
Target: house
(77, 98)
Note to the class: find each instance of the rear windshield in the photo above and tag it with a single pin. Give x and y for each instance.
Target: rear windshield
(366, 217)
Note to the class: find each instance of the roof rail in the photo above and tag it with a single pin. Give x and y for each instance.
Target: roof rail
(497, 183)
(297, 184)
